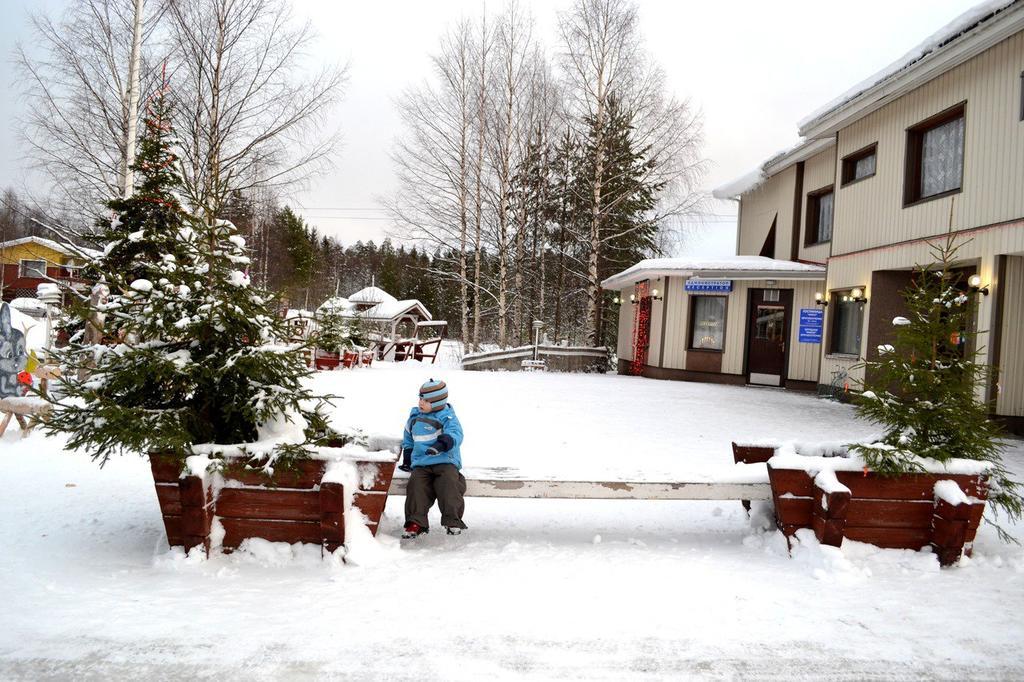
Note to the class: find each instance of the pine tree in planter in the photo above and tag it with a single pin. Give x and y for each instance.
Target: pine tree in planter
(194, 354)
(923, 388)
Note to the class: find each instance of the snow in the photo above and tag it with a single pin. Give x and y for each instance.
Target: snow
(826, 480)
(693, 266)
(73, 251)
(929, 45)
(536, 589)
(741, 185)
(372, 295)
(950, 492)
(32, 307)
(142, 285)
(900, 321)
(33, 329)
(238, 278)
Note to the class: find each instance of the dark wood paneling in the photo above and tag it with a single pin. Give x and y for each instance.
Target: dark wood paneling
(890, 513)
(794, 511)
(791, 481)
(237, 530)
(752, 454)
(169, 497)
(890, 538)
(905, 487)
(252, 503)
(304, 473)
(704, 361)
(372, 505)
(798, 195)
(165, 468)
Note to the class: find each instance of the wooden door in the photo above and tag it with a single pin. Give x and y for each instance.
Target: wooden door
(768, 328)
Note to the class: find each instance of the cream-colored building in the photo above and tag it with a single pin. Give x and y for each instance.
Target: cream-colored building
(932, 143)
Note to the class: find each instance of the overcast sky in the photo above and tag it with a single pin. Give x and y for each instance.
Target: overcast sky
(752, 67)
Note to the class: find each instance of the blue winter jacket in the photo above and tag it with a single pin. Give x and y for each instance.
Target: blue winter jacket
(422, 430)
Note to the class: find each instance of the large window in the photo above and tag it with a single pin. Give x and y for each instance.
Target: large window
(819, 216)
(32, 268)
(707, 323)
(859, 165)
(935, 156)
(847, 324)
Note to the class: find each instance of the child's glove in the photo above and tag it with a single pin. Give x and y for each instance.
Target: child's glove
(406, 464)
(444, 443)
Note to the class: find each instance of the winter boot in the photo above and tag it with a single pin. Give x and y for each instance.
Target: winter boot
(451, 530)
(413, 530)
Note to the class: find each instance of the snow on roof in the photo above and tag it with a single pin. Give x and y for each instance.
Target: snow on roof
(372, 295)
(777, 162)
(66, 249)
(963, 24)
(740, 185)
(336, 303)
(748, 267)
(393, 309)
(297, 313)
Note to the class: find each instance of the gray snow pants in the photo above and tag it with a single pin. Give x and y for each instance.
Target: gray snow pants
(441, 482)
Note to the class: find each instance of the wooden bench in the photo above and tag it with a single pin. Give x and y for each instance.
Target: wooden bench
(503, 482)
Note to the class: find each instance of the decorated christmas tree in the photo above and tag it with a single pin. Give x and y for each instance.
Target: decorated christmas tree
(190, 353)
(925, 388)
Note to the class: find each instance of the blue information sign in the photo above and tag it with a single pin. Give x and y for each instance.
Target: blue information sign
(812, 321)
(708, 286)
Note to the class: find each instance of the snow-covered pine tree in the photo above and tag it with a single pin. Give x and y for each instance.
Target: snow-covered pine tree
(197, 356)
(923, 388)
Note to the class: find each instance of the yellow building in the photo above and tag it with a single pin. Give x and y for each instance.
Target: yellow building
(30, 261)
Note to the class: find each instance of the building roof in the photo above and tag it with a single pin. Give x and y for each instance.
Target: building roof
(776, 163)
(372, 295)
(393, 310)
(966, 36)
(68, 250)
(729, 267)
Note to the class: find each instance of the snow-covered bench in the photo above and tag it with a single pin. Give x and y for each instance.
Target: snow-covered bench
(503, 482)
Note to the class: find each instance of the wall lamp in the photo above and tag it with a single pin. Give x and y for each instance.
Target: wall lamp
(632, 299)
(819, 298)
(616, 300)
(974, 284)
(857, 296)
(656, 295)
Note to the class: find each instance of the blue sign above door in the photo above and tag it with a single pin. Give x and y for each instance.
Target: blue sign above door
(812, 322)
(696, 285)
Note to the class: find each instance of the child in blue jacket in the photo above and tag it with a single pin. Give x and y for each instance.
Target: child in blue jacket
(430, 451)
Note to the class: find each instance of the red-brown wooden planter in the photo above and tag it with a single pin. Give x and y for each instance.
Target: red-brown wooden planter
(293, 505)
(324, 360)
(895, 512)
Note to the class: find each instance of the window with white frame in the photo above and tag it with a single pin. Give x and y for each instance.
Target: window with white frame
(32, 268)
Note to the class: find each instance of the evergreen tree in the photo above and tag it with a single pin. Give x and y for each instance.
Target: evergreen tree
(199, 358)
(923, 388)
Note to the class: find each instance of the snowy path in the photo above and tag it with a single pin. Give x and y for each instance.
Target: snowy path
(537, 589)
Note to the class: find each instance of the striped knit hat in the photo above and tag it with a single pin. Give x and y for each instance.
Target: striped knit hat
(434, 392)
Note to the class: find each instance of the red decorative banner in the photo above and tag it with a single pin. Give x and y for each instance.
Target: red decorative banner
(641, 328)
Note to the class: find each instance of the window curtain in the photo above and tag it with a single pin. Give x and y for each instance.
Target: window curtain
(864, 167)
(849, 320)
(942, 158)
(709, 322)
(825, 217)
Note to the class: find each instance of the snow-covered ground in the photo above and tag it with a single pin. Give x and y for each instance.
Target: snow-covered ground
(536, 589)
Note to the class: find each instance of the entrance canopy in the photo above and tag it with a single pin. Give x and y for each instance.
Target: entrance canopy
(728, 267)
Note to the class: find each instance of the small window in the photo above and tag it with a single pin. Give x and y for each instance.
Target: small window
(935, 157)
(859, 165)
(847, 324)
(32, 268)
(707, 326)
(819, 216)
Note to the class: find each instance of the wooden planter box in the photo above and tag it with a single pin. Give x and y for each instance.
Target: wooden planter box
(323, 360)
(896, 512)
(293, 505)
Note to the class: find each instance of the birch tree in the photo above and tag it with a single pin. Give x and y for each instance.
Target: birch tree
(603, 58)
(245, 115)
(80, 115)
